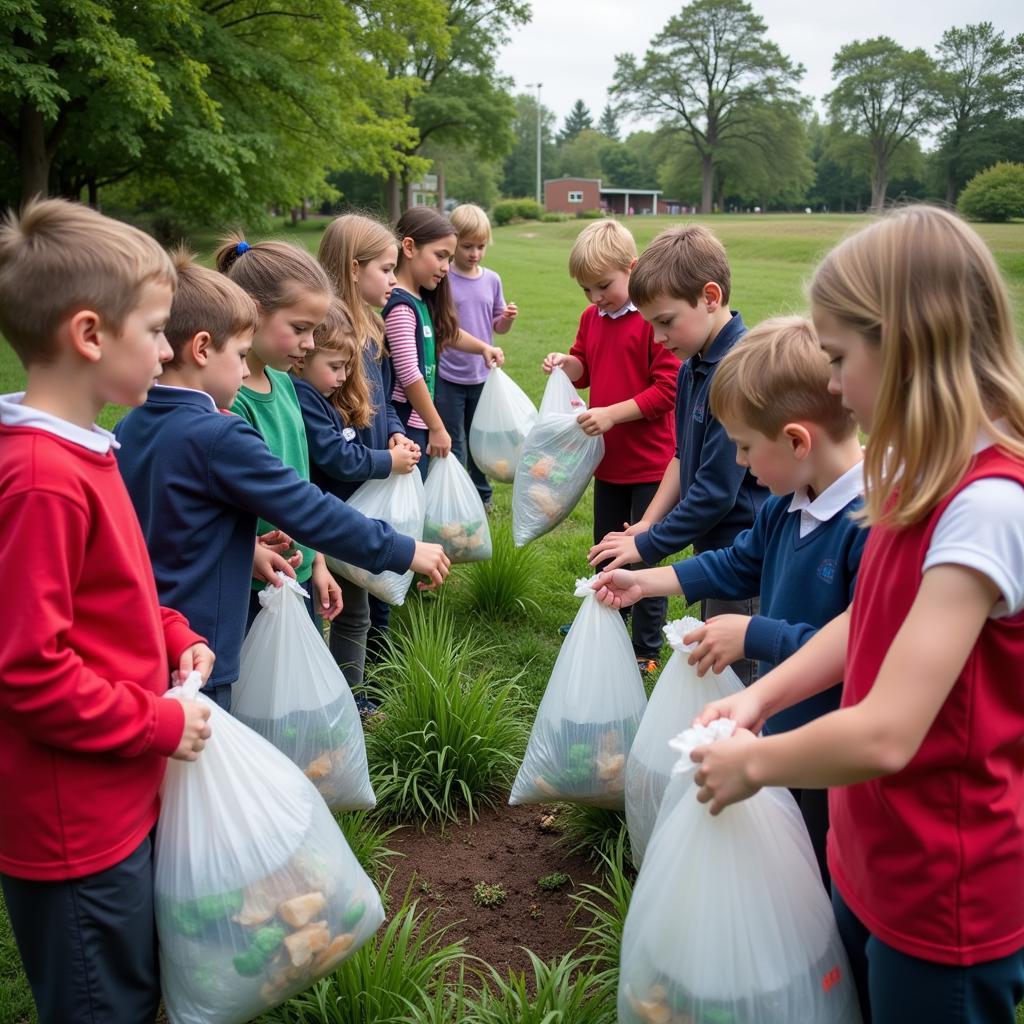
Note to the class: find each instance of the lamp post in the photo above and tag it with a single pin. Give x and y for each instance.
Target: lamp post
(537, 85)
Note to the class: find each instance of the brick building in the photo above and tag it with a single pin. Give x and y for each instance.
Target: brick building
(573, 195)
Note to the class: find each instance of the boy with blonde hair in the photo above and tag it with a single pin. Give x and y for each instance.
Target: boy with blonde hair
(483, 312)
(86, 651)
(681, 288)
(771, 393)
(632, 385)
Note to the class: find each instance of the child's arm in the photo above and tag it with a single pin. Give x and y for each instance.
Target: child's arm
(881, 734)
(326, 592)
(490, 354)
(572, 367)
(502, 315)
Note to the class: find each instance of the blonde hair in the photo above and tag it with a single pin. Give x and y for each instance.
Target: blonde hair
(679, 263)
(58, 257)
(354, 238)
(599, 248)
(778, 374)
(337, 334)
(206, 301)
(470, 222)
(275, 274)
(923, 288)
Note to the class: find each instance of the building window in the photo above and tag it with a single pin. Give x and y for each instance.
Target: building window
(575, 197)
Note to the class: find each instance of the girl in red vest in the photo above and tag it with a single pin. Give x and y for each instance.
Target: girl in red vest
(925, 757)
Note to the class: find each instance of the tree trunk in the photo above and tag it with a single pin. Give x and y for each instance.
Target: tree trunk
(94, 201)
(295, 215)
(33, 158)
(879, 181)
(950, 187)
(707, 171)
(394, 197)
(406, 191)
(440, 189)
(304, 211)
(721, 199)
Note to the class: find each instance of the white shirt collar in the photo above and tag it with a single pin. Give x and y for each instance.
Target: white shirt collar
(188, 391)
(627, 308)
(835, 497)
(14, 414)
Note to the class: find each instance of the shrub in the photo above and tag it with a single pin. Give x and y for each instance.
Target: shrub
(485, 895)
(554, 217)
(508, 210)
(448, 738)
(504, 586)
(594, 832)
(590, 214)
(996, 194)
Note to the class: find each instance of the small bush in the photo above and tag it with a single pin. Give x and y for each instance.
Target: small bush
(554, 217)
(594, 832)
(994, 195)
(504, 586)
(485, 895)
(553, 882)
(590, 214)
(508, 210)
(449, 739)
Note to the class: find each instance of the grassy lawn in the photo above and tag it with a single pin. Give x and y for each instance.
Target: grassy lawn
(772, 258)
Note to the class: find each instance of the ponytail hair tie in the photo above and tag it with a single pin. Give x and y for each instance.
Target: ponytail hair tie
(242, 247)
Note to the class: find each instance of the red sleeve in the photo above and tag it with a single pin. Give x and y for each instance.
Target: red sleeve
(660, 396)
(45, 687)
(579, 347)
(178, 635)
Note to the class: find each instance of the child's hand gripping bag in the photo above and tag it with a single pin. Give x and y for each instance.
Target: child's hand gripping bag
(560, 395)
(504, 416)
(292, 693)
(729, 921)
(398, 501)
(455, 516)
(678, 698)
(257, 893)
(588, 716)
(555, 466)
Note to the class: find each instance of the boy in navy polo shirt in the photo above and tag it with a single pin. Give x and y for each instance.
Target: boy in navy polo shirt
(804, 549)
(680, 285)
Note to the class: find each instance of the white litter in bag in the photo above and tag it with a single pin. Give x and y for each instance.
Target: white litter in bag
(588, 716)
(292, 693)
(560, 395)
(398, 501)
(679, 696)
(504, 416)
(455, 516)
(257, 893)
(729, 921)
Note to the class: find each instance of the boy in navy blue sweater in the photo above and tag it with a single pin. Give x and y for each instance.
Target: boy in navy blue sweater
(200, 479)
(680, 285)
(803, 551)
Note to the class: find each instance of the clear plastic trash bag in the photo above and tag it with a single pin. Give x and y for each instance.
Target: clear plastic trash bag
(455, 516)
(398, 501)
(588, 716)
(560, 395)
(678, 698)
(292, 693)
(504, 416)
(729, 921)
(257, 893)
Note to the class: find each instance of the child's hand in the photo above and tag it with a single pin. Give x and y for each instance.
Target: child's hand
(430, 560)
(723, 777)
(493, 356)
(276, 540)
(617, 589)
(401, 441)
(553, 359)
(403, 460)
(744, 708)
(326, 591)
(267, 562)
(197, 658)
(620, 548)
(439, 442)
(510, 312)
(595, 421)
(640, 526)
(196, 733)
(719, 643)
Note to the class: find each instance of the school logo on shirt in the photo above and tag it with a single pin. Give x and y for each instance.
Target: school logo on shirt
(827, 570)
(349, 434)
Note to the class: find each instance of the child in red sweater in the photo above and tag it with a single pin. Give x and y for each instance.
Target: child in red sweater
(632, 385)
(86, 651)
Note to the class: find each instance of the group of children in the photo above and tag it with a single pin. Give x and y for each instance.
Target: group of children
(883, 664)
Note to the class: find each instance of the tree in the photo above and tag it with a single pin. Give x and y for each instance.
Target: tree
(710, 74)
(609, 123)
(980, 85)
(885, 95)
(577, 120)
(581, 156)
(520, 169)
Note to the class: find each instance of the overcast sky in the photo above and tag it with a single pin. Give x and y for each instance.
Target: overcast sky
(570, 45)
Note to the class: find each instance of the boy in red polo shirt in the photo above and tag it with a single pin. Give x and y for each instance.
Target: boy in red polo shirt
(632, 385)
(86, 652)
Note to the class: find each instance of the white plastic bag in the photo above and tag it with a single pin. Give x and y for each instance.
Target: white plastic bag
(678, 698)
(504, 416)
(729, 920)
(257, 893)
(556, 464)
(292, 693)
(398, 501)
(560, 395)
(588, 716)
(455, 516)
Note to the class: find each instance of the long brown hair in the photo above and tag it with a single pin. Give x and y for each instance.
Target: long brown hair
(424, 225)
(922, 286)
(273, 273)
(337, 333)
